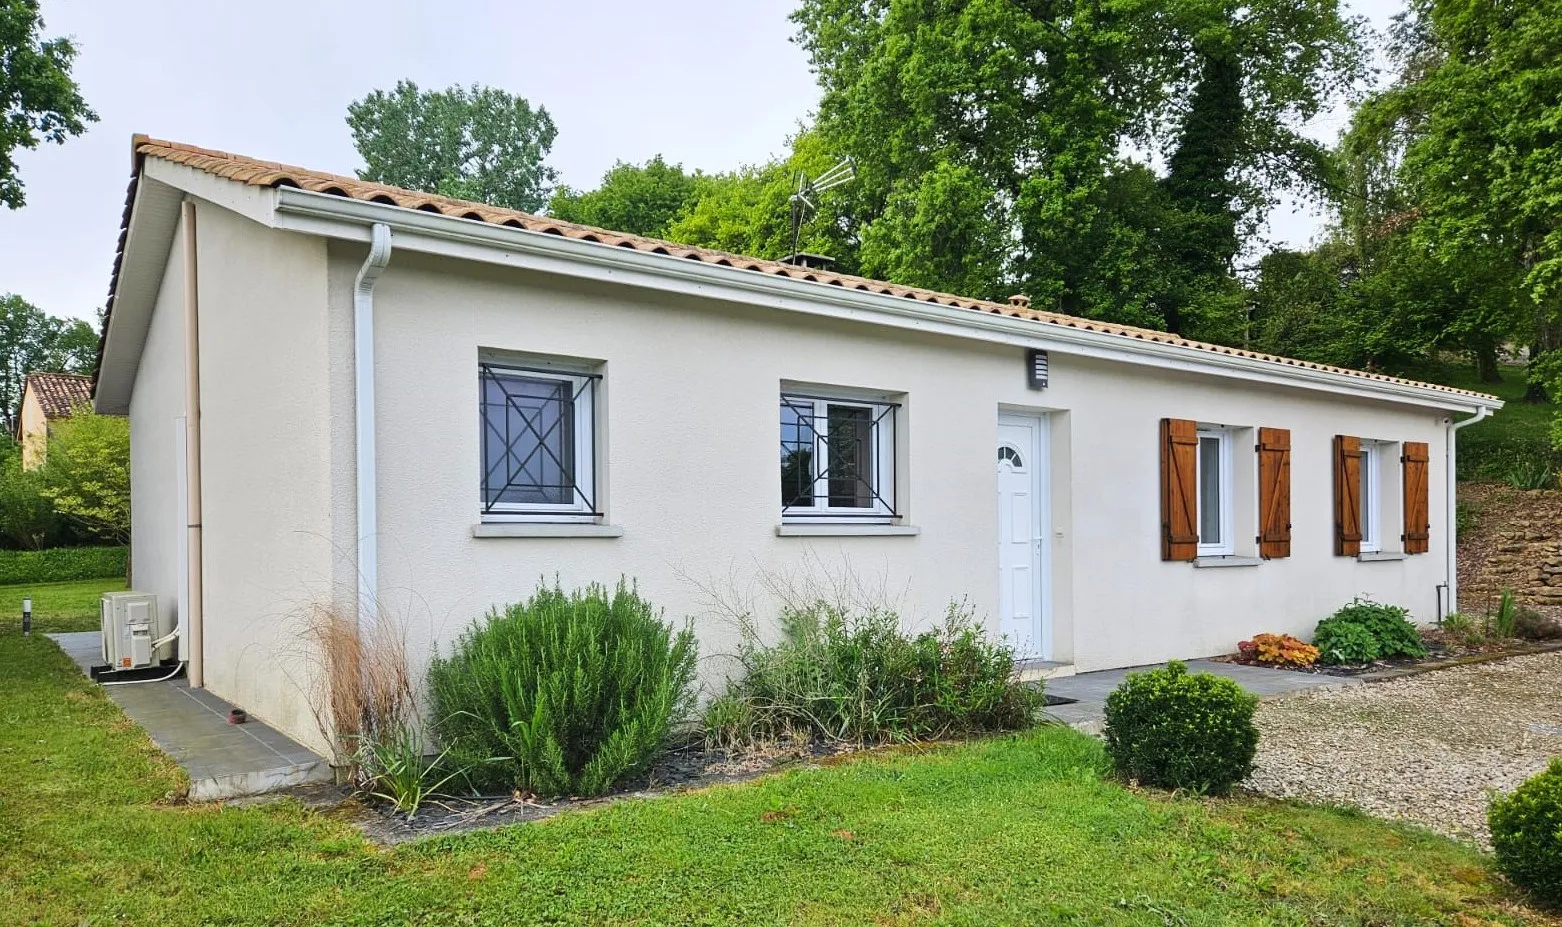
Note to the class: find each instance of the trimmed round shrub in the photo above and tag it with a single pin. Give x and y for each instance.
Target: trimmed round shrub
(1180, 730)
(565, 694)
(1526, 834)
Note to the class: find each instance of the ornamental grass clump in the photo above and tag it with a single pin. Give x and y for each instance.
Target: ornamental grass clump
(841, 674)
(564, 694)
(1526, 835)
(1178, 730)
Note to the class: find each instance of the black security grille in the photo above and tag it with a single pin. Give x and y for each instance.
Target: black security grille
(529, 440)
(834, 446)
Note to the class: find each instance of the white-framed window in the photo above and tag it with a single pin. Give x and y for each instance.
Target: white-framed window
(1216, 500)
(1371, 510)
(837, 458)
(538, 443)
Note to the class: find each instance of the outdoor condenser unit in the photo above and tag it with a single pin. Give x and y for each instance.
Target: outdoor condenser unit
(130, 625)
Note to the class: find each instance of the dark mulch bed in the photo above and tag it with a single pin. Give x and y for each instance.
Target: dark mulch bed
(689, 767)
(1439, 654)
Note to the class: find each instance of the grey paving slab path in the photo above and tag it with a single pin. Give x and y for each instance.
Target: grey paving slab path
(191, 725)
(1091, 689)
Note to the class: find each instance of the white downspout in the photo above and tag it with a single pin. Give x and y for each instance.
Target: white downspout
(195, 622)
(1451, 491)
(363, 372)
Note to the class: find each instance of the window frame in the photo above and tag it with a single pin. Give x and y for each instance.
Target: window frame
(583, 506)
(1370, 515)
(1226, 514)
(882, 423)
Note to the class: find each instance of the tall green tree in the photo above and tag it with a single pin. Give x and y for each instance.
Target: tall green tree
(478, 143)
(87, 473)
(31, 341)
(748, 211)
(39, 101)
(1458, 166)
(1035, 102)
(642, 199)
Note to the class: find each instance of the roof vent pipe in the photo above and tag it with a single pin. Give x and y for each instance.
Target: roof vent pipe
(363, 377)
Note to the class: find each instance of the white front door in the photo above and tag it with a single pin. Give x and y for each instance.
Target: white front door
(1022, 534)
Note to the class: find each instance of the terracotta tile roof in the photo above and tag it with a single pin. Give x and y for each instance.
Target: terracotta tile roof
(59, 393)
(273, 174)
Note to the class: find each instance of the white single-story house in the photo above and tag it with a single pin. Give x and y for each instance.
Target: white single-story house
(348, 395)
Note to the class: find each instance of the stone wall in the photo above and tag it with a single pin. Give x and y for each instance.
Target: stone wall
(1515, 543)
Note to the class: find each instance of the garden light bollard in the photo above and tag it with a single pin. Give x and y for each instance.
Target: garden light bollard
(27, 616)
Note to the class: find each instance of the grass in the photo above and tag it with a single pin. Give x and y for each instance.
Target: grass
(56, 606)
(1520, 431)
(1014, 830)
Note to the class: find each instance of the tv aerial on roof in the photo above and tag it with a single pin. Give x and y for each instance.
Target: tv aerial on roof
(805, 204)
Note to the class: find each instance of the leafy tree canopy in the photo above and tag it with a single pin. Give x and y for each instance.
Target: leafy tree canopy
(478, 143)
(641, 199)
(39, 102)
(87, 473)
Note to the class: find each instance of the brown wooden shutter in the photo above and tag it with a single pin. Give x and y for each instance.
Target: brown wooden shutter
(1418, 519)
(1347, 496)
(1179, 489)
(1274, 493)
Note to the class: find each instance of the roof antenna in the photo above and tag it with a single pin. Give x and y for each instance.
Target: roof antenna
(804, 206)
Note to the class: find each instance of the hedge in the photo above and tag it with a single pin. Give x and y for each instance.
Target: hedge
(61, 564)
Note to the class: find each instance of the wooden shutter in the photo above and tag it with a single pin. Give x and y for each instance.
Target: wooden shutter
(1179, 489)
(1418, 520)
(1274, 493)
(1347, 496)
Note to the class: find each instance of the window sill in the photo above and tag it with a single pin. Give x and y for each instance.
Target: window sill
(1375, 556)
(839, 530)
(1209, 563)
(536, 529)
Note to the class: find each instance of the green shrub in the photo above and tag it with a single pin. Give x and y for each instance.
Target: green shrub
(1177, 730)
(1341, 641)
(61, 564)
(1526, 834)
(566, 694)
(1504, 620)
(859, 677)
(1364, 631)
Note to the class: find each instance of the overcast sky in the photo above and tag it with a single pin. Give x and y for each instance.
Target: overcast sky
(709, 83)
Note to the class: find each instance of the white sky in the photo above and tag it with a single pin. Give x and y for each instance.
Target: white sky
(709, 83)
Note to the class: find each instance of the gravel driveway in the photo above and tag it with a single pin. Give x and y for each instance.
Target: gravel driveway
(1426, 748)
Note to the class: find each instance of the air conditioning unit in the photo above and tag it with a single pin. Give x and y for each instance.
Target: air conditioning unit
(131, 623)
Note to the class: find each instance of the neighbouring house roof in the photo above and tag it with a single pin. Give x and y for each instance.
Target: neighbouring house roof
(58, 393)
(258, 173)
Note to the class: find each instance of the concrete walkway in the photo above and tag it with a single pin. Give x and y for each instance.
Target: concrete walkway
(191, 725)
(1091, 689)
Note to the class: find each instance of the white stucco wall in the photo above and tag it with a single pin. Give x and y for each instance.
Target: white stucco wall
(156, 407)
(690, 422)
(266, 469)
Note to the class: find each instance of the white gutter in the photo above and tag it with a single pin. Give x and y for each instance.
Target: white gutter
(195, 622)
(1452, 491)
(418, 230)
(363, 373)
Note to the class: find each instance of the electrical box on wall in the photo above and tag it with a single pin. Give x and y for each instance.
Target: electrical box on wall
(1036, 369)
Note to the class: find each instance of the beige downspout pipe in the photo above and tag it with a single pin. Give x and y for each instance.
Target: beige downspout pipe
(194, 623)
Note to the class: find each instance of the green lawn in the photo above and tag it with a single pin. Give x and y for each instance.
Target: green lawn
(56, 606)
(1519, 432)
(1017, 830)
